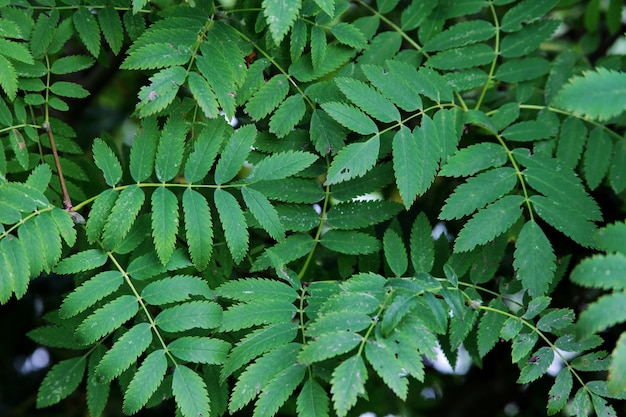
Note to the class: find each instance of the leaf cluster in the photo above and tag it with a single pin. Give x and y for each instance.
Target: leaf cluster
(266, 235)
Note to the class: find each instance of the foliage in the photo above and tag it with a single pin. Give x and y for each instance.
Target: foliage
(229, 265)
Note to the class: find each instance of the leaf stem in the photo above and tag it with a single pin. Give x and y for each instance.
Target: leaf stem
(67, 202)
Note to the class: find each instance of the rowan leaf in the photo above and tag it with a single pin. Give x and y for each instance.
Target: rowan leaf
(198, 227)
(347, 383)
(60, 381)
(535, 261)
(268, 97)
(190, 392)
(233, 222)
(107, 319)
(170, 150)
(234, 154)
(88, 29)
(124, 352)
(263, 212)
(108, 163)
(353, 161)
(489, 222)
(312, 400)
(280, 16)
(351, 117)
(145, 382)
(368, 99)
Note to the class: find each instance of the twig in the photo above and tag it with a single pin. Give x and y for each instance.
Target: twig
(67, 202)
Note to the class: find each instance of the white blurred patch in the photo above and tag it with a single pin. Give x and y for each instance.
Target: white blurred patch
(38, 360)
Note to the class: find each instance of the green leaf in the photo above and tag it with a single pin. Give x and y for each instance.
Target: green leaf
(393, 86)
(526, 131)
(312, 400)
(525, 12)
(107, 319)
(145, 382)
(200, 239)
(422, 245)
(572, 138)
(233, 222)
(203, 94)
(293, 247)
(351, 117)
(347, 383)
(190, 392)
(564, 187)
(61, 381)
(360, 214)
(617, 171)
(490, 326)
(597, 157)
(468, 161)
(234, 154)
(522, 345)
(318, 47)
(97, 393)
(385, 363)
(277, 391)
(157, 55)
(100, 211)
(251, 289)
(258, 342)
(143, 151)
(489, 223)
(161, 91)
(124, 352)
(287, 116)
(581, 405)
(257, 312)
(516, 70)
(268, 97)
(368, 99)
(16, 51)
(595, 362)
(280, 16)
(199, 349)
(185, 316)
(111, 26)
(349, 34)
(19, 147)
(617, 379)
(281, 165)
(261, 373)
(174, 289)
(164, 222)
(329, 345)
(601, 271)
(88, 29)
(528, 39)
(565, 219)
(82, 261)
(170, 151)
(612, 238)
(69, 64)
(353, 161)
(14, 264)
(479, 191)
(395, 253)
(123, 215)
(67, 89)
(299, 37)
(537, 368)
(416, 13)
(461, 34)
(263, 212)
(90, 292)
(41, 35)
(108, 163)
(560, 391)
(556, 320)
(535, 261)
(350, 242)
(206, 147)
(465, 57)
